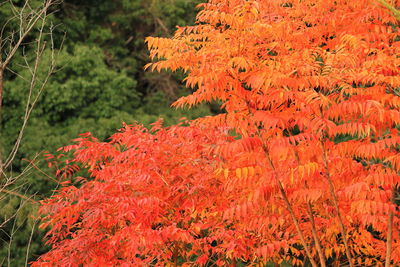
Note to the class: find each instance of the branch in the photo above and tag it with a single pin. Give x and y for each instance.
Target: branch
(285, 198)
(389, 237)
(32, 103)
(317, 241)
(336, 204)
(395, 12)
(290, 209)
(23, 33)
(17, 194)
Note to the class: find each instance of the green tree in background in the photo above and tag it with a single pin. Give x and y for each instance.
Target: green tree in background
(99, 83)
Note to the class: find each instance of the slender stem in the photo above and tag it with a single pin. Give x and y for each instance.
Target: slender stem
(389, 237)
(17, 194)
(30, 242)
(284, 196)
(321, 255)
(26, 31)
(1, 85)
(31, 162)
(291, 212)
(318, 246)
(1, 105)
(395, 12)
(175, 256)
(336, 204)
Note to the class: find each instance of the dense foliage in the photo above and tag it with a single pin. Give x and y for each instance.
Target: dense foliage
(99, 83)
(311, 91)
(161, 191)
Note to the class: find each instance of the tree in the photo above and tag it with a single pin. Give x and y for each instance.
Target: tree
(298, 75)
(311, 90)
(162, 199)
(99, 81)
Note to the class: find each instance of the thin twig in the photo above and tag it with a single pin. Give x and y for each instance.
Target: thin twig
(37, 168)
(317, 241)
(290, 209)
(25, 33)
(30, 105)
(336, 204)
(30, 242)
(18, 195)
(389, 237)
(395, 12)
(284, 196)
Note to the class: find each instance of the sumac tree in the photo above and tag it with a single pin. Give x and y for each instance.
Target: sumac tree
(312, 91)
(150, 197)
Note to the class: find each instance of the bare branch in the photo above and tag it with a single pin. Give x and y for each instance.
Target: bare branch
(31, 101)
(17, 194)
(25, 31)
(30, 241)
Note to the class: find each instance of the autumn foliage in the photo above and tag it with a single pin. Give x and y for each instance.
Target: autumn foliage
(311, 90)
(151, 194)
